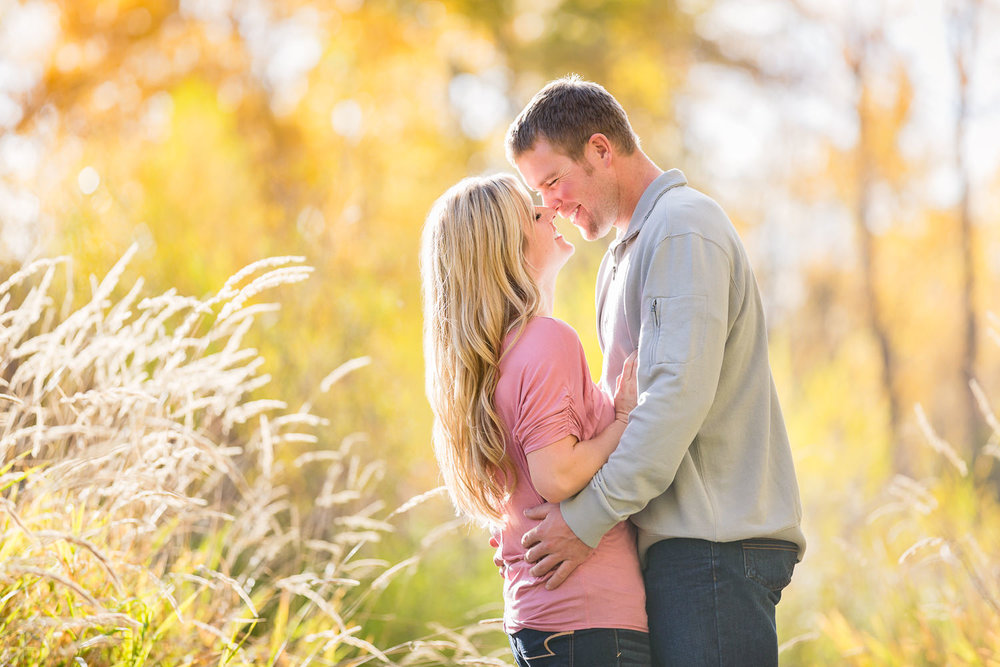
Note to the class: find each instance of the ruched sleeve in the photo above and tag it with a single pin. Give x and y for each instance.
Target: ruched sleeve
(553, 378)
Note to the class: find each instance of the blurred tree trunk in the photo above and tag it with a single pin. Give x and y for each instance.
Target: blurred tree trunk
(876, 321)
(962, 28)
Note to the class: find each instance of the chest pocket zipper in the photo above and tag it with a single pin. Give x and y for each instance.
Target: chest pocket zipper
(655, 315)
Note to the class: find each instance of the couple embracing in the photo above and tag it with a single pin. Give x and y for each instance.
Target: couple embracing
(654, 519)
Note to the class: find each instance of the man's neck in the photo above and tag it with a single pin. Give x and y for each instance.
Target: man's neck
(635, 172)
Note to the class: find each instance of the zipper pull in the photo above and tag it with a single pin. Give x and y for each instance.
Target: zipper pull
(656, 315)
(614, 271)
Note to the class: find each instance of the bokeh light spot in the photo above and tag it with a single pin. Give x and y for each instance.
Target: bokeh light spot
(88, 179)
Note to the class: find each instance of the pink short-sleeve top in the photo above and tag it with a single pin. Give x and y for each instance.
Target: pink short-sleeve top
(545, 393)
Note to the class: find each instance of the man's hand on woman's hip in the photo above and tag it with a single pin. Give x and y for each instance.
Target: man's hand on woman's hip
(552, 546)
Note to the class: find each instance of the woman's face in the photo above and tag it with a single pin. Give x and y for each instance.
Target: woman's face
(546, 251)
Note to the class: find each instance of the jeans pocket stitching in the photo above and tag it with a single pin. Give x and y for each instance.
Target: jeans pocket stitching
(545, 644)
(751, 566)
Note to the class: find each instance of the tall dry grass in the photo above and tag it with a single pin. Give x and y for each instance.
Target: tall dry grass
(909, 576)
(152, 511)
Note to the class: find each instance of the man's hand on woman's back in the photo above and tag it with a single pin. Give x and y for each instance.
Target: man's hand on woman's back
(552, 546)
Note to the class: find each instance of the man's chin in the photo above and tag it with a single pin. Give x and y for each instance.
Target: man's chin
(593, 233)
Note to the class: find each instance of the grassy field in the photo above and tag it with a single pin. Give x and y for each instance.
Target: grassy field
(157, 508)
(151, 513)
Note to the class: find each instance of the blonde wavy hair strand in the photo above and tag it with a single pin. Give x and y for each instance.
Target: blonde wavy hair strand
(476, 289)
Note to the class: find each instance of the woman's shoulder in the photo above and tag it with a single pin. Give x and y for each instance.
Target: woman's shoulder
(547, 335)
(544, 341)
(551, 326)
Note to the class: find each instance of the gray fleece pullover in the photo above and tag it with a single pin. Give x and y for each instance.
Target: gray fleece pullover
(705, 454)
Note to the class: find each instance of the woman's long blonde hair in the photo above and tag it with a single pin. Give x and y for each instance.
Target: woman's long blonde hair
(476, 289)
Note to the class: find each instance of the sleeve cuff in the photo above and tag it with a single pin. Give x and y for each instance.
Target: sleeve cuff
(588, 516)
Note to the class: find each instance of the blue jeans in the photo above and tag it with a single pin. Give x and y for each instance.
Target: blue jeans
(712, 603)
(595, 647)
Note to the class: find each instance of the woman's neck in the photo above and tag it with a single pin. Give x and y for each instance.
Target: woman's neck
(547, 295)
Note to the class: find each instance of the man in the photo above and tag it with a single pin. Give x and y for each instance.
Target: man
(704, 468)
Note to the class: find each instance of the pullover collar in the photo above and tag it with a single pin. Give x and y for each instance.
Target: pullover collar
(666, 181)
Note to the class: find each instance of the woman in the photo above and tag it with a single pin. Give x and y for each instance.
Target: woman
(519, 421)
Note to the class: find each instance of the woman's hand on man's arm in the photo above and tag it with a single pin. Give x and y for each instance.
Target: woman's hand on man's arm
(627, 389)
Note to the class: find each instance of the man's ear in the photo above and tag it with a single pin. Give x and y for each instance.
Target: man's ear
(600, 148)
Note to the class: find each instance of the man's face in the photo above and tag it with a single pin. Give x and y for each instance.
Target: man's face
(583, 192)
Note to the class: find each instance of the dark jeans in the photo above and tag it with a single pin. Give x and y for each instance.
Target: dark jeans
(595, 647)
(712, 603)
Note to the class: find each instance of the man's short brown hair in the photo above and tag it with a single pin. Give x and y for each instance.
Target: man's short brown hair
(566, 113)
